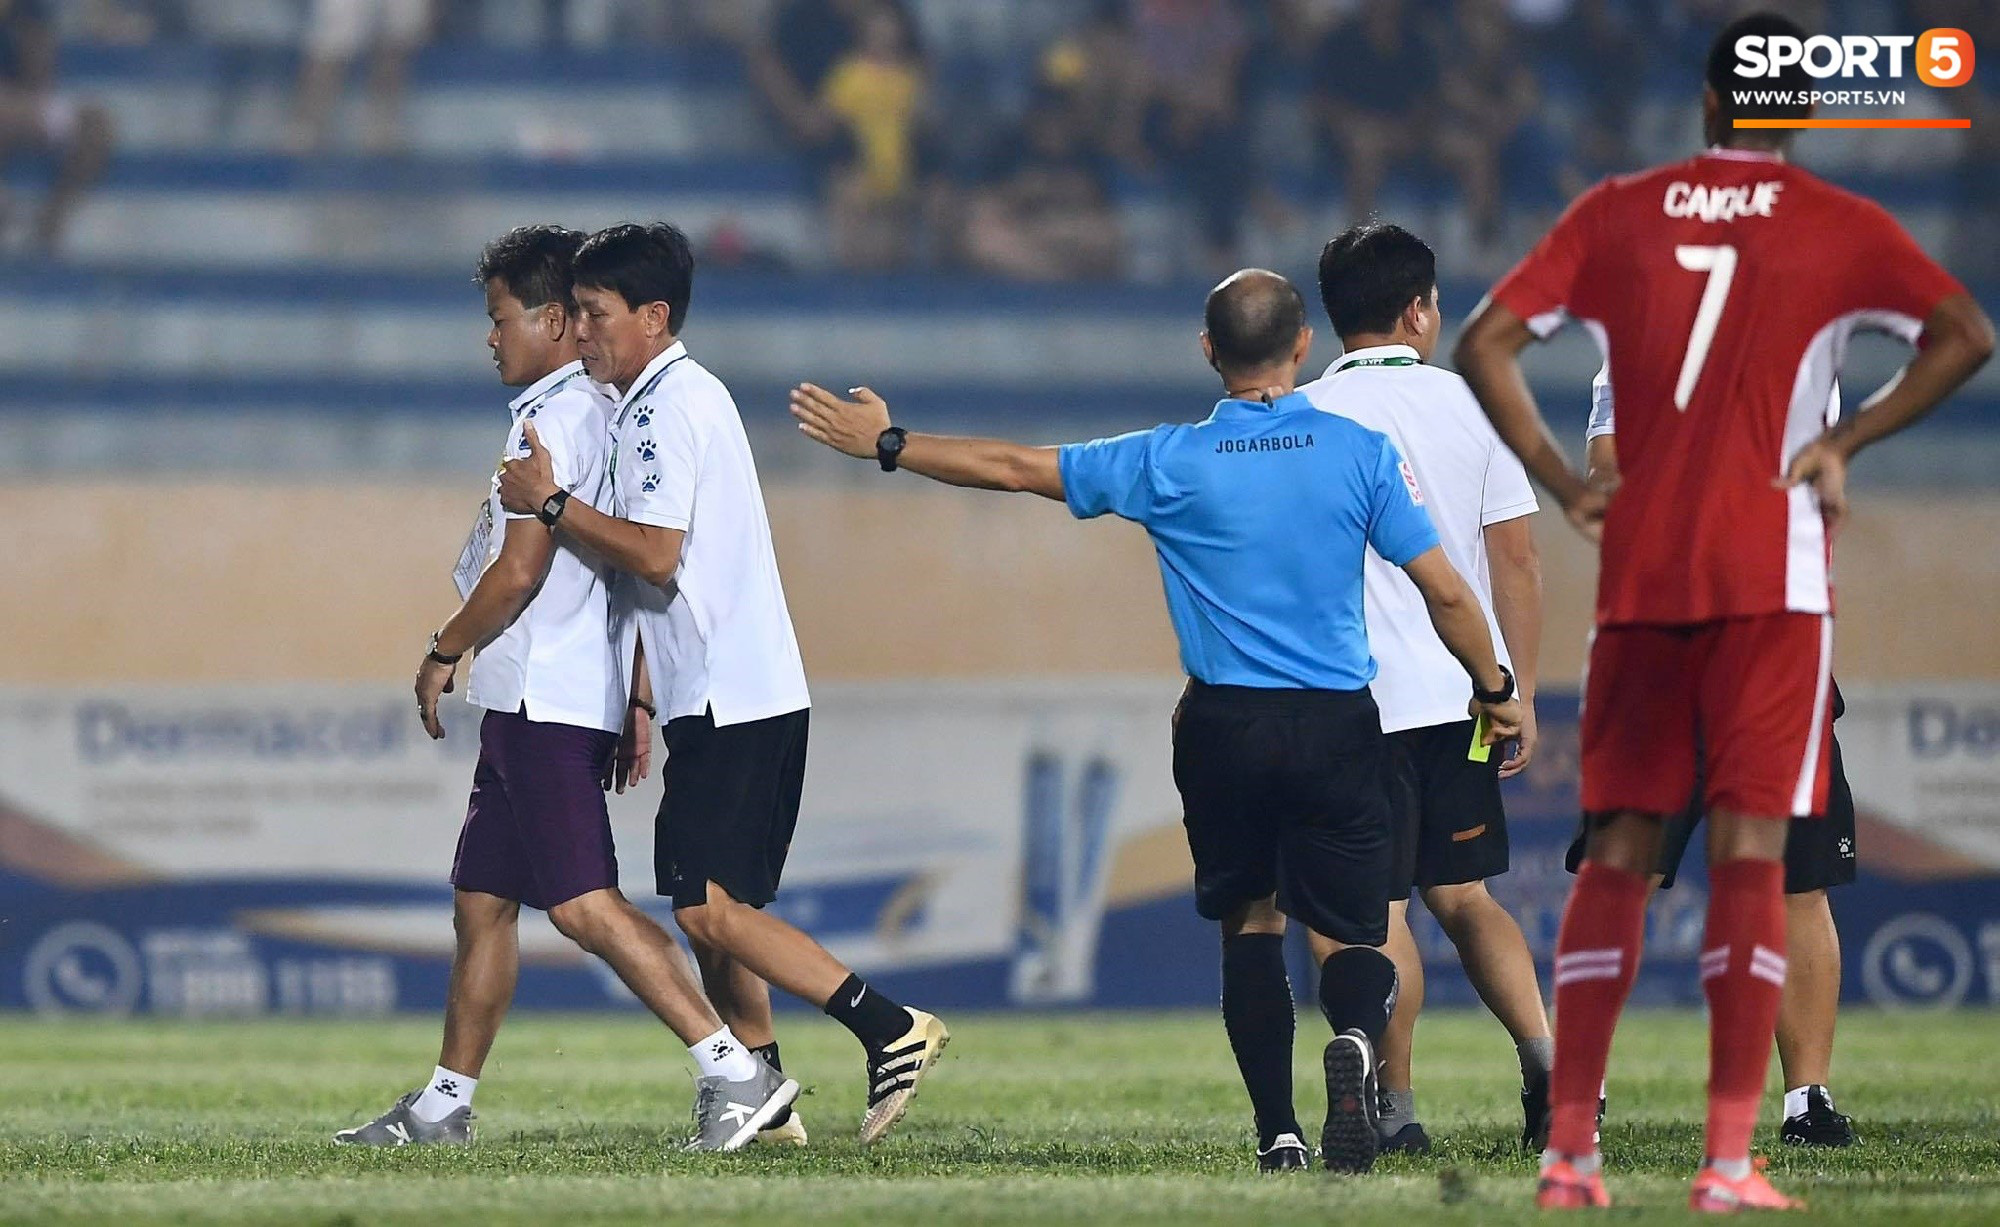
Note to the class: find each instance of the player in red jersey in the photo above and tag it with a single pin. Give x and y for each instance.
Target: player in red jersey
(1723, 290)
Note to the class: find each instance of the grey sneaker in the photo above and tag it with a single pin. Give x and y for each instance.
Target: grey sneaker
(728, 1114)
(399, 1127)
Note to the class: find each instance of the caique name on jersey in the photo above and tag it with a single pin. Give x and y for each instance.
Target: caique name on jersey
(1721, 204)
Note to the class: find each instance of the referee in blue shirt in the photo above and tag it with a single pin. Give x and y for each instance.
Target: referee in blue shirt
(1261, 516)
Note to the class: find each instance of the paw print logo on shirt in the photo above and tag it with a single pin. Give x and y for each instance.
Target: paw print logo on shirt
(646, 451)
(643, 418)
(649, 483)
(532, 411)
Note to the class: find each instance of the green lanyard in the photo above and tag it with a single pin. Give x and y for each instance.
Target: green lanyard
(1393, 360)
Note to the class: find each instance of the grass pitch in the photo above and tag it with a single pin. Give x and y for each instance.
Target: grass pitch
(1049, 1119)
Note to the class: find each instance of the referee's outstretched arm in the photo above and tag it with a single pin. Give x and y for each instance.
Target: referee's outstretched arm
(861, 428)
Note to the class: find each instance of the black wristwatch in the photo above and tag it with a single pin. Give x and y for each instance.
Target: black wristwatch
(552, 508)
(1506, 691)
(889, 447)
(652, 713)
(439, 658)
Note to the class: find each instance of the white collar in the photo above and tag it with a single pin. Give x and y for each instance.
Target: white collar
(543, 385)
(1742, 155)
(1375, 352)
(661, 361)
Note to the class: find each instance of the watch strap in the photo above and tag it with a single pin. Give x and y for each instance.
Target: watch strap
(552, 508)
(1501, 695)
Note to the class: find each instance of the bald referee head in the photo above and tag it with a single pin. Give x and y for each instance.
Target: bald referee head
(1254, 328)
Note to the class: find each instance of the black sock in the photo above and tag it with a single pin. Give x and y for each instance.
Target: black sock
(770, 1054)
(1357, 991)
(1257, 1014)
(875, 1020)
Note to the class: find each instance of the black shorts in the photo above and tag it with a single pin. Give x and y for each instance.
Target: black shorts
(1819, 850)
(1450, 826)
(731, 805)
(1282, 793)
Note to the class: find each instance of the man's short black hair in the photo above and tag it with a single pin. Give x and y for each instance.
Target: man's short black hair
(1253, 320)
(535, 263)
(1369, 273)
(642, 264)
(1793, 79)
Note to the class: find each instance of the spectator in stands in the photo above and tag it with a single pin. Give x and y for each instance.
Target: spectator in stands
(1488, 98)
(1604, 52)
(1048, 216)
(36, 117)
(336, 32)
(789, 63)
(1097, 71)
(1192, 53)
(1374, 82)
(876, 92)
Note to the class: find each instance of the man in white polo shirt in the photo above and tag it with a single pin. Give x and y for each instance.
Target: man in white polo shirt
(536, 831)
(701, 605)
(1378, 283)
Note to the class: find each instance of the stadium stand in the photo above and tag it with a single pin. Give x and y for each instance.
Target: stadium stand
(214, 275)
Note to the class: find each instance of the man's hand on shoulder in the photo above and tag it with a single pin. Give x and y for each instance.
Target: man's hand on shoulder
(526, 482)
(850, 426)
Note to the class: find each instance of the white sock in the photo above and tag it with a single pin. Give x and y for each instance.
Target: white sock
(447, 1093)
(722, 1055)
(1731, 1169)
(1795, 1100)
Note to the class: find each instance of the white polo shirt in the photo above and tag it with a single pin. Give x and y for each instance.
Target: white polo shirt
(555, 658)
(1469, 480)
(719, 636)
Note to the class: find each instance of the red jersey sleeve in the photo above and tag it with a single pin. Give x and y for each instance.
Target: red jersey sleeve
(1545, 279)
(1891, 273)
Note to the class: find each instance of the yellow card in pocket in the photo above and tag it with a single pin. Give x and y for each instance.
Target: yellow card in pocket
(1480, 751)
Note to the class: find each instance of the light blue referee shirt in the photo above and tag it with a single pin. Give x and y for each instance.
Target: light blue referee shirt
(1261, 516)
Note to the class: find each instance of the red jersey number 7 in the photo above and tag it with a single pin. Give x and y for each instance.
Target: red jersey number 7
(1720, 265)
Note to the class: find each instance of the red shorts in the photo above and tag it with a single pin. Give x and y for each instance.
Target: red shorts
(1750, 697)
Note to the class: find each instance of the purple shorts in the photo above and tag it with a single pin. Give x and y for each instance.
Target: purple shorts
(536, 829)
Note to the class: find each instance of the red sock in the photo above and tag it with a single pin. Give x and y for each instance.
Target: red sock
(1743, 976)
(1597, 956)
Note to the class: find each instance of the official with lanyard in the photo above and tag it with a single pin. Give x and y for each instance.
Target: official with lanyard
(1378, 283)
(1260, 516)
